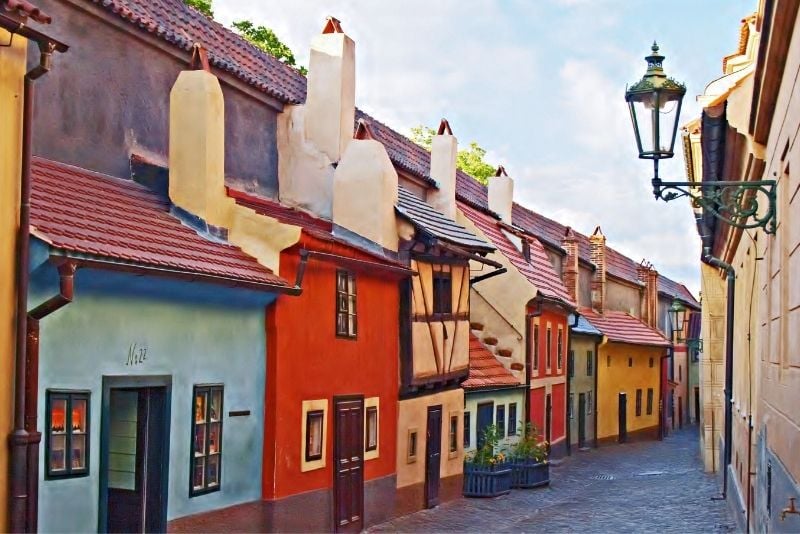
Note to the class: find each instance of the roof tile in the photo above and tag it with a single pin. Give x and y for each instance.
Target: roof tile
(624, 328)
(484, 369)
(87, 212)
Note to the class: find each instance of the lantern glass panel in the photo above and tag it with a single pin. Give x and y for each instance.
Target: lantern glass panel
(669, 107)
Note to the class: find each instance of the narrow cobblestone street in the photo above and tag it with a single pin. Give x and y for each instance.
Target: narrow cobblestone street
(646, 486)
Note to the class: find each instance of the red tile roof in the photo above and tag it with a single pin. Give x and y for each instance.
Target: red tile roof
(539, 271)
(484, 369)
(624, 328)
(182, 26)
(677, 290)
(26, 9)
(85, 212)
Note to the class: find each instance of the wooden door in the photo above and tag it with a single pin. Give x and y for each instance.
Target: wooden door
(433, 455)
(581, 419)
(348, 451)
(548, 417)
(623, 417)
(680, 412)
(696, 405)
(135, 460)
(485, 418)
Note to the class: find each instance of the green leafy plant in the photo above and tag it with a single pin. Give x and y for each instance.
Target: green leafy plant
(488, 453)
(470, 159)
(265, 39)
(530, 445)
(203, 6)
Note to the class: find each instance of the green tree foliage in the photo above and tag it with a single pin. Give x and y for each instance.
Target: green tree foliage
(265, 39)
(470, 159)
(203, 6)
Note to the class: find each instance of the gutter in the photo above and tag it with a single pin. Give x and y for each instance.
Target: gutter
(708, 259)
(24, 453)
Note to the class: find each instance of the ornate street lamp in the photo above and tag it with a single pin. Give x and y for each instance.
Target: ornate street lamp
(677, 314)
(654, 103)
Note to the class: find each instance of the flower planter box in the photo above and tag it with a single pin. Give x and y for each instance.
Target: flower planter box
(486, 481)
(529, 474)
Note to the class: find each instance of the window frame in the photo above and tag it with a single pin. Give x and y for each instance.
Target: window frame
(560, 349)
(649, 401)
(209, 390)
(349, 277)
(442, 282)
(589, 362)
(638, 402)
(570, 406)
(68, 395)
(511, 426)
(588, 402)
(452, 435)
(467, 429)
(367, 427)
(571, 364)
(549, 349)
(535, 346)
(411, 455)
(500, 420)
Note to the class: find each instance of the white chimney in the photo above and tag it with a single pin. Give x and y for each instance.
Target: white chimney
(501, 194)
(444, 149)
(197, 143)
(365, 190)
(331, 94)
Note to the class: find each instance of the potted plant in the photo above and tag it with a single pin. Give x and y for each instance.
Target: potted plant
(487, 472)
(529, 465)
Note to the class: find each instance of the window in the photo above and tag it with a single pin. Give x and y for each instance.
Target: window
(442, 292)
(630, 361)
(651, 362)
(371, 434)
(345, 304)
(67, 440)
(536, 347)
(638, 402)
(769, 489)
(608, 361)
(411, 455)
(548, 348)
(206, 459)
(526, 250)
(571, 364)
(560, 349)
(649, 401)
(500, 420)
(569, 405)
(315, 420)
(589, 362)
(453, 433)
(680, 373)
(588, 402)
(467, 439)
(512, 419)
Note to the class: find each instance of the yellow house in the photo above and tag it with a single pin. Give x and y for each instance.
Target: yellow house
(12, 70)
(629, 376)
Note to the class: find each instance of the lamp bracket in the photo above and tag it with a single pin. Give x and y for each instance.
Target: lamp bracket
(734, 202)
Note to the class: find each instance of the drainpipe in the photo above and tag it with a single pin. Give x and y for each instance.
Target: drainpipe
(595, 400)
(731, 276)
(21, 440)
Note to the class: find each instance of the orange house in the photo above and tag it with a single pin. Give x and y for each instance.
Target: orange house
(332, 381)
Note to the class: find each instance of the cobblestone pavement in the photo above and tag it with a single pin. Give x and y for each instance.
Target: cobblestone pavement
(656, 486)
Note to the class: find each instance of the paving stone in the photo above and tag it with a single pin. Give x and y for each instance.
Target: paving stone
(655, 486)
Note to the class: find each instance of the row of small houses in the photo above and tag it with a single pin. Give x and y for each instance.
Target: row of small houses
(250, 305)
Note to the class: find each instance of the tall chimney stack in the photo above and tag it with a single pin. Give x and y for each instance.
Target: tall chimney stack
(570, 264)
(331, 93)
(598, 256)
(197, 142)
(501, 194)
(444, 150)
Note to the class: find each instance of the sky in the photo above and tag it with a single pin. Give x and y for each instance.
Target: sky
(540, 84)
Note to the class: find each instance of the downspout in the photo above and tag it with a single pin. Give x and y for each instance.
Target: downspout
(571, 408)
(22, 505)
(731, 276)
(596, 372)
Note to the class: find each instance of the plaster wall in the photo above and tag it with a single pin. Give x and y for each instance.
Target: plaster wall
(12, 71)
(307, 361)
(712, 366)
(495, 325)
(582, 382)
(584, 286)
(108, 97)
(509, 293)
(500, 397)
(194, 333)
(623, 297)
(413, 416)
(615, 376)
